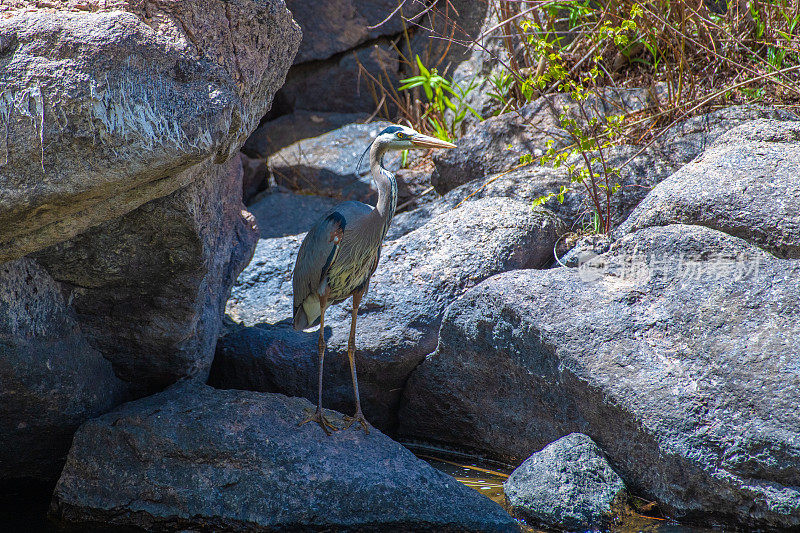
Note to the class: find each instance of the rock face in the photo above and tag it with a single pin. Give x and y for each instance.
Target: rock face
(483, 153)
(524, 184)
(149, 288)
(329, 164)
(51, 379)
(677, 353)
(118, 100)
(757, 160)
(349, 44)
(496, 144)
(418, 276)
(263, 291)
(279, 213)
(330, 28)
(279, 133)
(340, 83)
(568, 485)
(196, 458)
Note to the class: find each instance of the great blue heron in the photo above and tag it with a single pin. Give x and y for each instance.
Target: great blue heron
(341, 251)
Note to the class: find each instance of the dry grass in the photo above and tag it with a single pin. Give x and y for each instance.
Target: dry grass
(708, 53)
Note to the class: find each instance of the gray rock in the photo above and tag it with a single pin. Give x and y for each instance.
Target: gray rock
(643, 171)
(678, 146)
(585, 249)
(254, 177)
(196, 458)
(339, 85)
(279, 133)
(677, 352)
(51, 379)
(524, 184)
(104, 108)
(461, 19)
(418, 276)
(149, 288)
(280, 214)
(413, 186)
(745, 184)
(497, 144)
(568, 485)
(263, 291)
(329, 164)
(331, 27)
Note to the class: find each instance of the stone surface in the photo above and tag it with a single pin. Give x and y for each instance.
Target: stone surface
(263, 291)
(524, 184)
(149, 288)
(678, 146)
(418, 276)
(51, 379)
(280, 213)
(643, 171)
(677, 352)
(745, 184)
(339, 85)
(332, 27)
(568, 485)
(497, 144)
(106, 105)
(329, 164)
(254, 177)
(279, 133)
(586, 248)
(196, 458)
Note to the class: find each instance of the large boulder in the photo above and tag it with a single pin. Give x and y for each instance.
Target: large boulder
(51, 379)
(497, 144)
(419, 275)
(287, 129)
(280, 213)
(641, 169)
(568, 485)
(757, 161)
(677, 352)
(196, 458)
(149, 288)
(332, 27)
(524, 184)
(332, 164)
(107, 104)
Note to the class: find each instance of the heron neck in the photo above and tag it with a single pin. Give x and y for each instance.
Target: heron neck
(387, 186)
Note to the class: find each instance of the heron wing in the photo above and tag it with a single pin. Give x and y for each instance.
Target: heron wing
(319, 251)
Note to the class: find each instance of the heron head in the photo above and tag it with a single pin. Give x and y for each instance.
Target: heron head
(404, 138)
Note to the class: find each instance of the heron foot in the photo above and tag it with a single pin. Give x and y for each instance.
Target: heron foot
(322, 420)
(358, 417)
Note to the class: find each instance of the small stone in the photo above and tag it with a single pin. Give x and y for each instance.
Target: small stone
(568, 485)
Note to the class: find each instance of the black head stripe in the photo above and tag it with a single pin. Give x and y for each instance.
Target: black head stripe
(391, 129)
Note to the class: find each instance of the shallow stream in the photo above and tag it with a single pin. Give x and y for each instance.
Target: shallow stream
(487, 477)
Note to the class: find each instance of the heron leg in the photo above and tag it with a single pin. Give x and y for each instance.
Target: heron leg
(318, 415)
(351, 352)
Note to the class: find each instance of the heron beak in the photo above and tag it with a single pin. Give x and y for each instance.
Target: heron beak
(423, 141)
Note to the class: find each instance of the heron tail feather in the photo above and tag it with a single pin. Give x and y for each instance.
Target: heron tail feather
(307, 314)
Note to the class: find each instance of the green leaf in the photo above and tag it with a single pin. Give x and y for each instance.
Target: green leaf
(425, 72)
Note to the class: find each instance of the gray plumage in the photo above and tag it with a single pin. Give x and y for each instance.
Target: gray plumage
(341, 252)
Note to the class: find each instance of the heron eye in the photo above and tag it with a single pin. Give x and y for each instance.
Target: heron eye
(401, 135)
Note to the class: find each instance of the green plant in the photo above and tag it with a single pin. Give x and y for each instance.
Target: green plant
(440, 94)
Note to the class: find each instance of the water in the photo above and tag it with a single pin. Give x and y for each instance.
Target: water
(487, 477)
